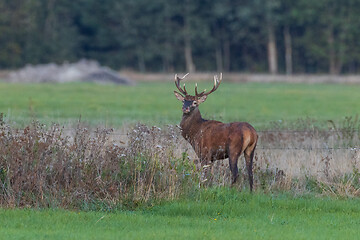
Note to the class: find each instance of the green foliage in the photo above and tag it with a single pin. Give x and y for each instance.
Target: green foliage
(312, 184)
(150, 36)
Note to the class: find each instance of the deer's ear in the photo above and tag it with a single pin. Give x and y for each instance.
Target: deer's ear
(201, 99)
(179, 96)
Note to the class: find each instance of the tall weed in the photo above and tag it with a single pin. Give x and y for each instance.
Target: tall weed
(48, 166)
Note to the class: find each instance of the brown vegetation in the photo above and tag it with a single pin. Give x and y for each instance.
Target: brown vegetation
(47, 167)
(42, 167)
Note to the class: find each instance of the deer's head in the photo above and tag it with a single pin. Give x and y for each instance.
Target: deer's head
(192, 102)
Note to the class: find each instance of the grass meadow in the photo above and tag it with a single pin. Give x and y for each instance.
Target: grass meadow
(154, 103)
(211, 214)
(113, 174)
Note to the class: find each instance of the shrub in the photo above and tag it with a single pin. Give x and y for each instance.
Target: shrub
(42, 167)
(49, 166)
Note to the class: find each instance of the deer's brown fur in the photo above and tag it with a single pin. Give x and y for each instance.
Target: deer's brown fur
(214, 140)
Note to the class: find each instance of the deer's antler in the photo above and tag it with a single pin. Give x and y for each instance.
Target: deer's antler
(217, 82)
(177, 84)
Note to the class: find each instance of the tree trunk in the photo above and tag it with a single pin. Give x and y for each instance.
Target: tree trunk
(168, 55)
(288, 50)
(168, 65)
(272, 51)
(141, 63)
(332, 68)
(50, 21)
(190, 67)
(226, 48)
(219, 59)
(335, 55)
(168, 59)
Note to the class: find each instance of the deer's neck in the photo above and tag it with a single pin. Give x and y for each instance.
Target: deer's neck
(191, 124)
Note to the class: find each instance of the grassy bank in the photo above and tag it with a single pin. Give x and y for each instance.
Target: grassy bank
(211, 214)
(154, 103)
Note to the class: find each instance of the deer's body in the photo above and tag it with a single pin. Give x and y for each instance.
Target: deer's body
(214, 140)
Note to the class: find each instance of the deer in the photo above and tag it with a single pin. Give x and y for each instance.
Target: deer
(213, 140)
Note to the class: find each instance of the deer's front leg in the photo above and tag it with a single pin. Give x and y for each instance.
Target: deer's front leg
(206, 170)
(205, 166)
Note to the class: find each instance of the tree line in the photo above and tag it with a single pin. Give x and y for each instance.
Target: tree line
(275, 36)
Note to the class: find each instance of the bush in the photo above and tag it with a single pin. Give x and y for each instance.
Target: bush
(42, 167)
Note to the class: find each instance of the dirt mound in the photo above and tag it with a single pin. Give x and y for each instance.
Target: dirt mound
(83, 71)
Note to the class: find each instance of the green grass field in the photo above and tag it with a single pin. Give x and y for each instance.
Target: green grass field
(154, 103)
(209, 214)
(212, 214)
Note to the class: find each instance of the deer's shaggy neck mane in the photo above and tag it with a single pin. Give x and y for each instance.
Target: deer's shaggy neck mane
(191, 124)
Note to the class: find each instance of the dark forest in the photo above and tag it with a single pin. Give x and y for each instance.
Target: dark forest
(276, 36)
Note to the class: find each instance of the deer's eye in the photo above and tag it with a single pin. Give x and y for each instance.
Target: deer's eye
(194, 103)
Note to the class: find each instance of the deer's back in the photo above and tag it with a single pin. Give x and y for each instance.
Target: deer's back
(220, 131)
(219, 138)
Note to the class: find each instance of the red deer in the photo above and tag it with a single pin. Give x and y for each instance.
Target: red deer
(214, 140)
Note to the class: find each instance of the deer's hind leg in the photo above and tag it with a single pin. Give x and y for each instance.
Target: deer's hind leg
(233, 159)
(249, 156)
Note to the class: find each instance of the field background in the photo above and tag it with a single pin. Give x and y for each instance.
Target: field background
(142, 181)
(154, 103)
(306, 130)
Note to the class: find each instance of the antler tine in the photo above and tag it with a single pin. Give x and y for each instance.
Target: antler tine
(216, 79)
(177, 84)
(185, 76)
(196, 92)
(184, 89)
(217, 82)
